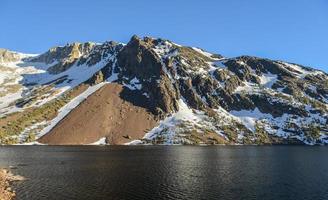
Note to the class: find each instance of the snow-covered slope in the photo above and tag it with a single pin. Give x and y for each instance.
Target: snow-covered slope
(197, 97)
(33, 80)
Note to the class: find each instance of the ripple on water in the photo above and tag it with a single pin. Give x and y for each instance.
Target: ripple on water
(169, 172)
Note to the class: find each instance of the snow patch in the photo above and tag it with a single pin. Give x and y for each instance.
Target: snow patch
(249, 117)
(134, 142)
(27, 73)
(299, 71)
(247, 87)
(101, 141)
(201, 51)
(22, 137)
(268, 79)
(313, 88)
(170, 123)
(134, 84)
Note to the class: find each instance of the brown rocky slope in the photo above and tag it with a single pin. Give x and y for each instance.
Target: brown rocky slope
(103, 114)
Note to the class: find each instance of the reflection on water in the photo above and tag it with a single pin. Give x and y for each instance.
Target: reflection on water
(169, 172)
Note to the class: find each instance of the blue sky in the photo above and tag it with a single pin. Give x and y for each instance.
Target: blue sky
(291, 30)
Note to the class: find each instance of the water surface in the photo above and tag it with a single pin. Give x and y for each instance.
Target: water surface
(169, 172)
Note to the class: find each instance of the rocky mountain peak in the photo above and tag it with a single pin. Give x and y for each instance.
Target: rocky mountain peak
(138, 61)
(68, 52)
(8, 56)
(193, 95)
(63, 57)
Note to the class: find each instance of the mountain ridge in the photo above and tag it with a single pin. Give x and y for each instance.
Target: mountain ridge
(194, 96)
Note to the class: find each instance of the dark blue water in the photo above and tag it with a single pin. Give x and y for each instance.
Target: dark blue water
(169, 172)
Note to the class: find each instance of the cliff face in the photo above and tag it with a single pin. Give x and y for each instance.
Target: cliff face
(8, 56)
(173, 93)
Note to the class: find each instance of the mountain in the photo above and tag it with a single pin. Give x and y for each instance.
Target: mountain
(153, 91)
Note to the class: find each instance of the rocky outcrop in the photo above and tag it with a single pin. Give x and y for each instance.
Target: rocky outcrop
(6, 179)
(70, 51)
(64, 57)
(138, 61)
(8, 56)
(100, 52)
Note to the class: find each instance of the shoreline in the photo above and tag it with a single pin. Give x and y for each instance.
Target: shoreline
(6, 180)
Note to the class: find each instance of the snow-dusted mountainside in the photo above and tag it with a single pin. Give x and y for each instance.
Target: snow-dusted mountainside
(155, 91)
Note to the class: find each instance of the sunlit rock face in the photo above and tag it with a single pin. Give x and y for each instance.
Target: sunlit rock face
(8, 56)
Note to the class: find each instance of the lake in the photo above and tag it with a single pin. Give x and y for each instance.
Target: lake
(169, 172)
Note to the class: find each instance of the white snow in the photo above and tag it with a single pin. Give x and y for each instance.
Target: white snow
(32, 143)
(164, 50)
(313, 88)
(241, 62)
(3, 77)
(6, 100)
(134, 142)
(249, 117)
(145, 94)
(220, 63)
(22, 137)
(114, 76)
(207, 54)
(280, 89)
(190, 119)
(134, 84)
(214, 66)
(185, 113)
(176, 44)
(101, 141)
(170, 123)
(268, 79)
(34, 72)
(247, 87)
(300, 71)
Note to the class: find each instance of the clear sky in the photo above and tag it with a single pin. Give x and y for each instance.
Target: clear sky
(291, 30)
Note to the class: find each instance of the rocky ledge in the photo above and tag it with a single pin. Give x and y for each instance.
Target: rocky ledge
(6, 179)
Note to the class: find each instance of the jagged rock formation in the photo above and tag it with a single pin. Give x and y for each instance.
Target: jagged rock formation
(64, 57)
(181, 95)
(8, 56)
(138, 61)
